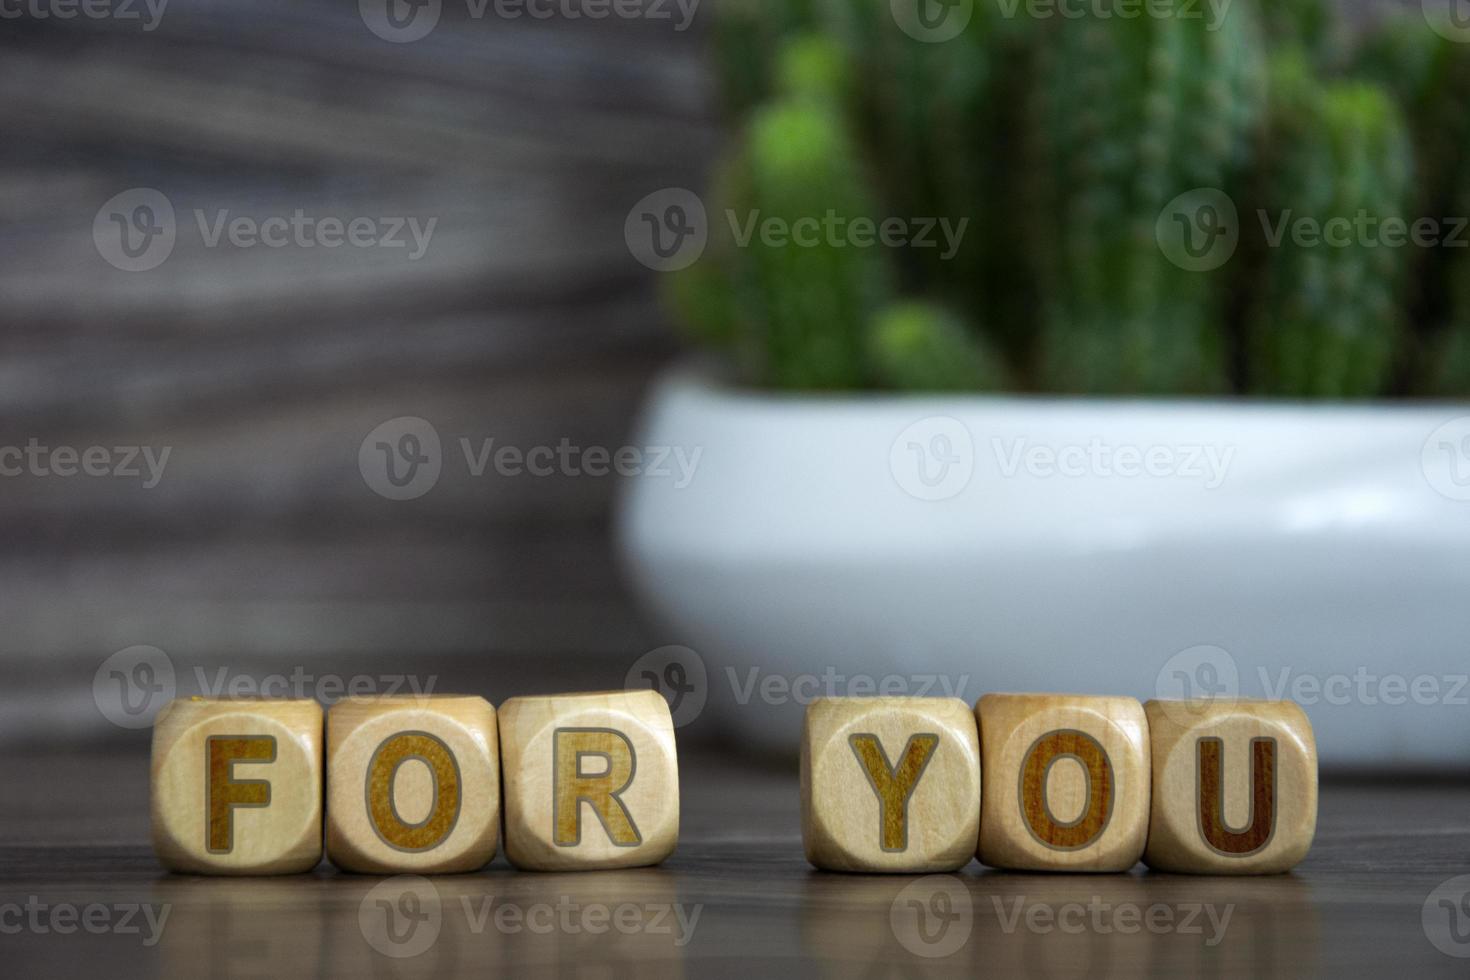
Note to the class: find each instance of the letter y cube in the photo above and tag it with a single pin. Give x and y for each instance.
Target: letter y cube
(890, 784)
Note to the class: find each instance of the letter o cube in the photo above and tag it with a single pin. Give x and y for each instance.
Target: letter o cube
(413, 784)
(1067, 782)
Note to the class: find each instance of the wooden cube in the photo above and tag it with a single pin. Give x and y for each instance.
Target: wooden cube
(1235, 786)
(591, 780)
(237, 786)
(413, 784)
(889, 784)
(1067, 782)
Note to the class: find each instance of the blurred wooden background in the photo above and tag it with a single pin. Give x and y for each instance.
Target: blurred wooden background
(526, 321)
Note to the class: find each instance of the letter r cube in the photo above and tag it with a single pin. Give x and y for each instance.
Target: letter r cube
(890, 784)
(591, 780)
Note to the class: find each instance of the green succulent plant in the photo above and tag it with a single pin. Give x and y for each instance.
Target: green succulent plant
(1335, 175)
(918, 346)
(790, 295)
(1061, 145)
(1130, 114)
(1307, 26)
(1428, 72)
(749, 34)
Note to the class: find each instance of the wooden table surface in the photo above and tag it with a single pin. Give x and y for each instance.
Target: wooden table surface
(736, 898)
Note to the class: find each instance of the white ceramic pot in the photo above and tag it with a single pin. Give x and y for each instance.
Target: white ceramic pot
(973, 544)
